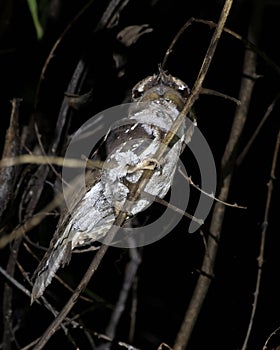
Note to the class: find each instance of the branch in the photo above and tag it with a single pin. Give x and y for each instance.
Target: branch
(210, 195)
(206, 91)
(60, 161)
(263, 238)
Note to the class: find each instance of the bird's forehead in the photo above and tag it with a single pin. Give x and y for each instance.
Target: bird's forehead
(161, 79)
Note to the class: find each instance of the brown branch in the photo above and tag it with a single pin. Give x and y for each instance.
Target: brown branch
(260, 258)
(227, 166)
(60, 161)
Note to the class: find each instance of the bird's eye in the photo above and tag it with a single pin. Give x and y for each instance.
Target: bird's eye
(136, 94)
(184, 92)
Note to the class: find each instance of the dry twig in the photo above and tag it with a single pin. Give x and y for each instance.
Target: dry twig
(262, 243)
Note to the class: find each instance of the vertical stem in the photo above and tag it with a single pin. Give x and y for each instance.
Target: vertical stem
(227, 166)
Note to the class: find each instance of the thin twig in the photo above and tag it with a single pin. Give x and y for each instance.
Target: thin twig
(274, 333)
(257, 131)
(133, 310)
(39, 139)
(210, 195)
(260, 258)
(13, 281)
(120, 343)
(205, 91)
(162, 345)
(175, 39)
(172, 207)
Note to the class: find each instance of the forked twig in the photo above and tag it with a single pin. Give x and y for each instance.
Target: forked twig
(260, 258)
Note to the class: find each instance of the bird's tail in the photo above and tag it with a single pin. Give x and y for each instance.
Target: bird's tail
(58, 254)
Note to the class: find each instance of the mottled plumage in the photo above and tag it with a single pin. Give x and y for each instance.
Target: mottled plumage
(129, 148)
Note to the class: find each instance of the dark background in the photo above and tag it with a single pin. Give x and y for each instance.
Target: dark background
(170, 267)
